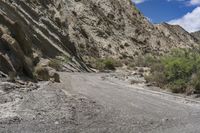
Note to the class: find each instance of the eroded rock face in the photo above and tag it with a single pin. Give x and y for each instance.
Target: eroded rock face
(5, 65)
(26, 30)
(181, 37)
(196, 35)
(13, 58)
(84, 28)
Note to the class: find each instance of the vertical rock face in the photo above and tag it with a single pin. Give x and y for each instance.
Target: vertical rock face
(80, 28)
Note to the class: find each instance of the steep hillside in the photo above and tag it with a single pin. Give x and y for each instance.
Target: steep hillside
(79, 29)
(177, 35)
(28, 31)
(196, 35)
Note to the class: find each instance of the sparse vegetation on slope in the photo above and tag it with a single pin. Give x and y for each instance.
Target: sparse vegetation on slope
(56, 64)
(179, 71)
(106, 64)
(143, 61)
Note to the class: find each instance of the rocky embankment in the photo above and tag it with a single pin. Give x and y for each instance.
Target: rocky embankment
(27, 34)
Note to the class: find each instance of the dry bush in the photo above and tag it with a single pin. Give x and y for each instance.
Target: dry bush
(41, 73)
(56, 64)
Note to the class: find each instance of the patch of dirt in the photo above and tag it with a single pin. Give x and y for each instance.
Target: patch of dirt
(45, 109)
(126, 76)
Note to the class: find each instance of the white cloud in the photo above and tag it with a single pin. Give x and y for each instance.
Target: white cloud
(138, 1)
(188, 2)
(195, 2)
(190, 21)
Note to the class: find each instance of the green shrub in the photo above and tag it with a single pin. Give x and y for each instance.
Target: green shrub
(178, 68)
(195, 82)
(143, 61)
(109, 64)
(98, 64)
(106, 64)
(157, 78)
(178, 86)
(178, 71)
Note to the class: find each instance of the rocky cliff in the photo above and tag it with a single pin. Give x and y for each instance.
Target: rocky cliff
(178, 36)
(196, 35)
(79, 29)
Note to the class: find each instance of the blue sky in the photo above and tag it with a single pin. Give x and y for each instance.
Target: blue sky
(183, 12)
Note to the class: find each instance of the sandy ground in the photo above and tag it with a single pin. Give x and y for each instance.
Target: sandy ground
(95, 103)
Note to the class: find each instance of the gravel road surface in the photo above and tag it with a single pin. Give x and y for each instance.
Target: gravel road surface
(133, 109)
(91, 103)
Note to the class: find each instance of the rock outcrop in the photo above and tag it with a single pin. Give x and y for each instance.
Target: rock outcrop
(176, 34)
(196, 35)
(26, 28)
(80, 29)
(13, 55)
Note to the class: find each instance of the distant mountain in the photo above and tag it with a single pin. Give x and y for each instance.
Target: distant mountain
(80, 29)
(178, 36)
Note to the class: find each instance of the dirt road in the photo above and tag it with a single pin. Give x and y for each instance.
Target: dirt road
(132, 109)
(91, 103)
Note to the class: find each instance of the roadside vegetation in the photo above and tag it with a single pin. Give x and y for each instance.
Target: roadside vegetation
(43, 72)
(143, 61)
(105, 64)
(178, 71)
(56, 64)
